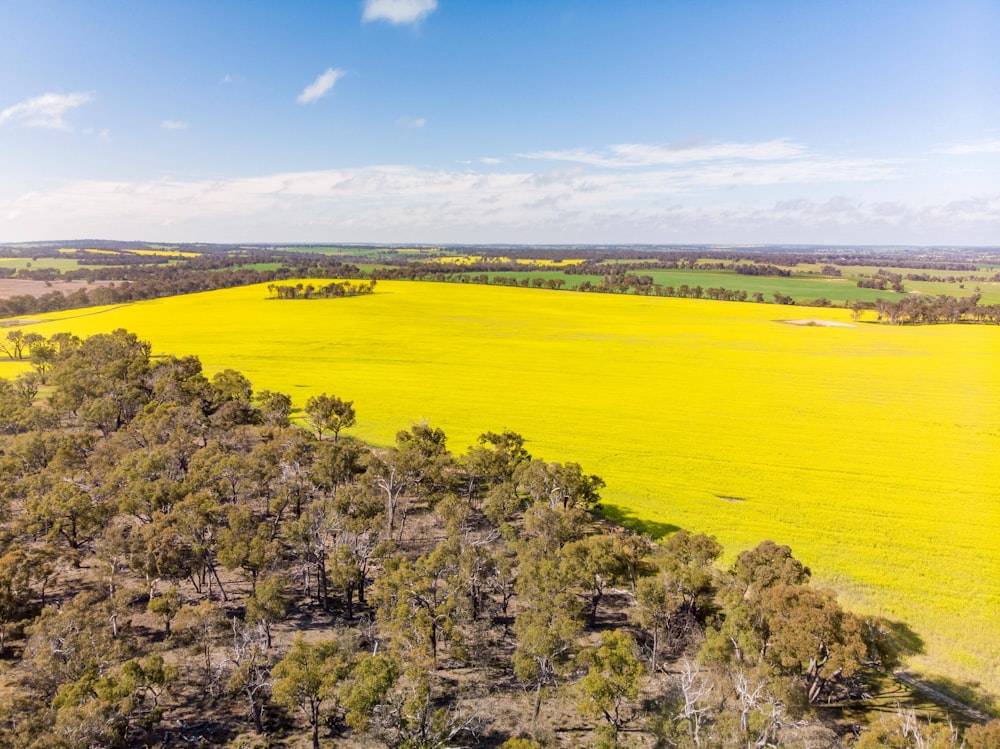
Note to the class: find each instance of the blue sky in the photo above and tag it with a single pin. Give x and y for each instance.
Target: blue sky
(437, 121)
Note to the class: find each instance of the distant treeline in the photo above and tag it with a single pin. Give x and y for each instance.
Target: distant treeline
(761, 270)
(995, 278)
(154, 282)
(882, 280)
(138, 277)
(327, 291)
(930, 310)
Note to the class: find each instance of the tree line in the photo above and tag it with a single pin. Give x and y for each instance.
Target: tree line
(931, 310)
(127, 284)
(332, 290)
(164, 535)
(149, 276)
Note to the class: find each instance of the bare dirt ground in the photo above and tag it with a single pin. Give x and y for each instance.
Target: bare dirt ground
(818, 323)
(22, 287)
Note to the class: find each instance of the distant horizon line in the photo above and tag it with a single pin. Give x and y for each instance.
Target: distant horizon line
(508, 245)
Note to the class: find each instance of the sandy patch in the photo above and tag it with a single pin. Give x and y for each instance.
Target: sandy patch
(21, 286)
(818, 323)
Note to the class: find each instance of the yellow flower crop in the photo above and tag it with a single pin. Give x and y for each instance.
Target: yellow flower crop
(873, 451)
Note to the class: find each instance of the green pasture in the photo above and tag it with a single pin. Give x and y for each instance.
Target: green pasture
(60, 264)
(801, 288)
(873, 451)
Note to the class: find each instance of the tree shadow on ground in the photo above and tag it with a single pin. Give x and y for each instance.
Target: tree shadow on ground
(627, 519)
(902, 639)
(969, 699)
(933, 697)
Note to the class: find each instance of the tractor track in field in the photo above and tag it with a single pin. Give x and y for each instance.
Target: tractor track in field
(936, 695)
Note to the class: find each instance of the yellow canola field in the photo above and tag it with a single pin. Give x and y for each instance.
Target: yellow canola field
(163, 253)
(150, 253)
(873, 451)
(469, 259)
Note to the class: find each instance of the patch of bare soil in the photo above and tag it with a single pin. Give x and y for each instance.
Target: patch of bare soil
(818, 323)
(25, 287)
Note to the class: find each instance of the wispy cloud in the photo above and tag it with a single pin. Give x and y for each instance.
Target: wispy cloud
(321, 86)
(413, 123)
(174, 125)
(104, 134)
(971, 149)
(628, 155)
(398, 11)
(45, 111)
(490, 160)
(565, 203)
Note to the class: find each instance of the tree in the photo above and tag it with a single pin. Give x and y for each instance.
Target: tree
(773, 618)
(653, 611)
(43, 356)
(766, 565)
(329, 413)
(268, 604)
(14, 348)
(65, 510)
(493, 461)
(985, 736)
(203, 624)
(418, 462)
(230, 386)
(554, 527)
(337, 464)
(688, 571)
(370, 679)
(249, 544)
(547, 624)
(64, 644)
(810, 637)
(312, 537)
(418, 600)
(100, 709)
(165, 606)
(741, 636)
(275, 408)
(308, 676)
(614, 672)
(902, 729)
(251, 678)
(684, 711)
(559, 485)
(180, 381)
(16, 594)
(107, 379)
(594, 562)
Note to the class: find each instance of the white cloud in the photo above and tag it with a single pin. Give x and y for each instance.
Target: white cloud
(642, 155)
(398, 11)
(798, 201)
(413, 123)
(321, 86)
(490, 160)
(174, 125)
(971, 149)
(45, 111)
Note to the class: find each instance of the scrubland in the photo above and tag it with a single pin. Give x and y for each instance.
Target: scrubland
(873, 451)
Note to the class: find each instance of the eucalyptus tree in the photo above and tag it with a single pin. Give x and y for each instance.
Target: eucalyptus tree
(329, 413)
